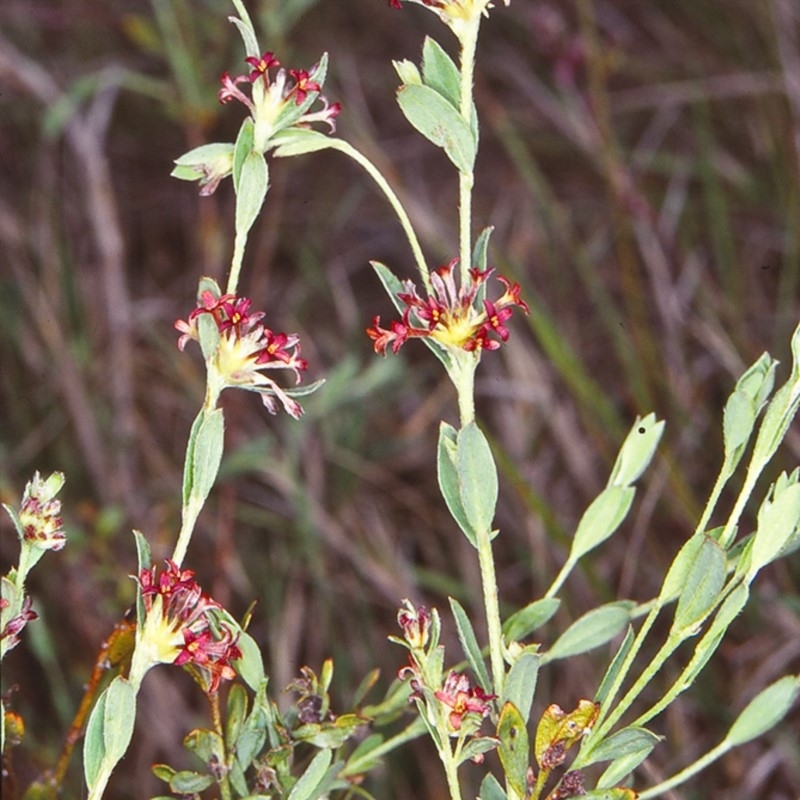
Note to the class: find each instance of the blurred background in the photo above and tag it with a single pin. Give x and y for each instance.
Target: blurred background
(641, 165)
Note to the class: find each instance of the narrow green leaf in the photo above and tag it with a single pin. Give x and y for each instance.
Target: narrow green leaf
(477, 477)
(469, 644)
(614, 667)
(236, 712)
(298, 141)
(145, 562)
(514, 747)
(476, 746)
(207, 453)
(701, 591)
(480, 252)
(523, 622)
(681, 566)
(626, 742)
(520, 684)
(306, 787)
(94, 748)
(765, 710)
(448, 479)
(601, 519)
(593, 629)
(248, 36)
(187, 782)
(437, 120)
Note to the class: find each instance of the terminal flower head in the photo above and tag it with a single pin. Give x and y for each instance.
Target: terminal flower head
(457, 318)
(246, 348)
(279, 98)
(183, 626)
(416, 624)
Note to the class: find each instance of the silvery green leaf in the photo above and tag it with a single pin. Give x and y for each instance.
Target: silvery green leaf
(251, 665)
(765, 710)
(593, 629)
(481, 250)
(700, 592)
(437, 120)
(250, 194)
(637, 451)
(206, 449)
(94, 741)
(680, 567)
(528, 619)
(248, 36)
(601, 519)
(477, 477)
(440, 73)
(119, 716)
(145, 562)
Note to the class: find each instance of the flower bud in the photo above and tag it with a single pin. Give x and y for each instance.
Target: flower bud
(416, 623)
(39, 514)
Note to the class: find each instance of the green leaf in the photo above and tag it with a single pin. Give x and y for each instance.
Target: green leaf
(94, 742)
(440, 73)
(477, 477)
(476, 746)
(601, 519)
(187, 782)
(308, 786)
(236, 712)
(145, 562)
(619, 793)
(520, 683)
(523, 622)
(491, 789)
(469, 644)
(250, 666)
(298, 141)
(637, 451)
(252, 190)
(699, 595)
(614, 667)
(679, 569)
(449, 481)
(206, 744)
(765, 710)
(437, 120)
(241, 150)
(626, 742)
(119, 716)
(207, 450)
(248, 36)
(514, 747)
(481, 249)
(593, 629)
(778, 519)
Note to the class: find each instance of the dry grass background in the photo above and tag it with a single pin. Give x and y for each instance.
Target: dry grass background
(641, 164)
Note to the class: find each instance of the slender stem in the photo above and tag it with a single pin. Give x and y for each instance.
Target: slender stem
(469, 41)
(722, 479)
(216, 721)
(394, 201)
(236, 262)
(569, 565)
(492, 606)
(684, 775)
(448, 760)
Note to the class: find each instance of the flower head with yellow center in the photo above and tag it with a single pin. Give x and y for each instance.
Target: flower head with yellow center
(457, 318)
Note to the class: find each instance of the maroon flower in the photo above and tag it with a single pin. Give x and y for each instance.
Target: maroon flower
(261, 65)
(40, 513)
(12, 629)
(416, 623)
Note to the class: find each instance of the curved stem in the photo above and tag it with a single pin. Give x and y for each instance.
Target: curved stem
(394, 201)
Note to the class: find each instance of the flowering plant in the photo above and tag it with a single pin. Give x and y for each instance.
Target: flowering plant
(480, 708)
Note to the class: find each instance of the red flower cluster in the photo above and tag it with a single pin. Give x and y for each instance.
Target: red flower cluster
(12, 629)
(40, 515)
(453, 317)
(184, 611)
